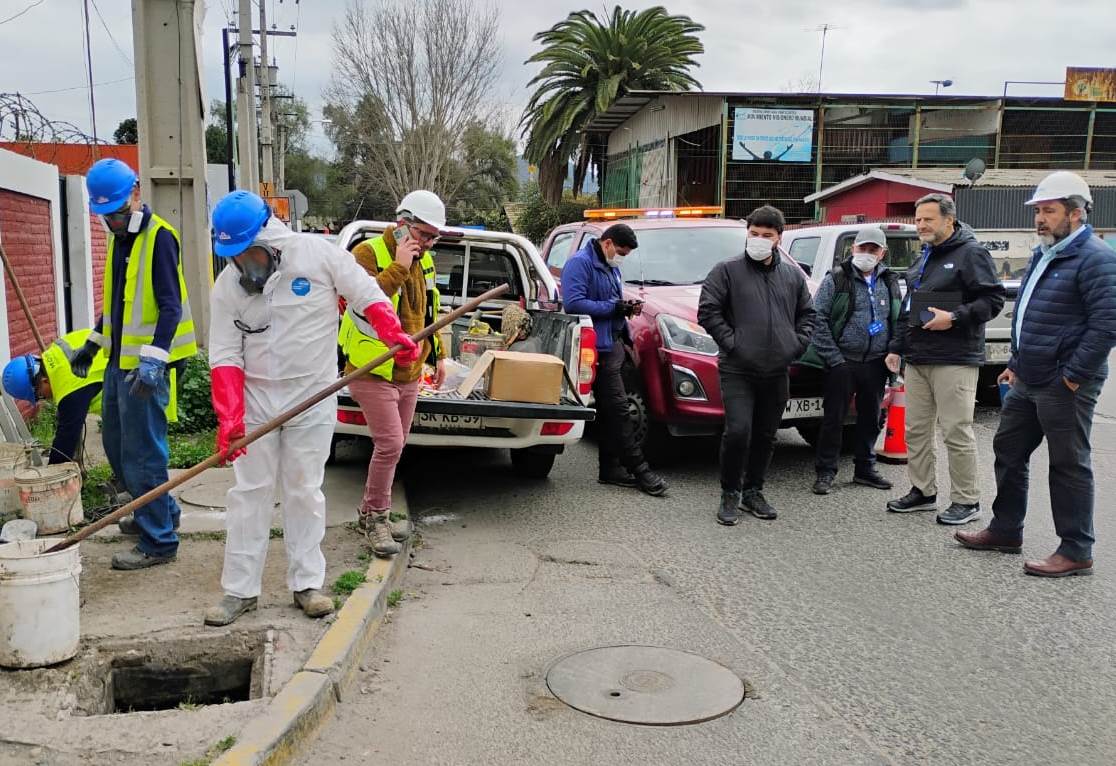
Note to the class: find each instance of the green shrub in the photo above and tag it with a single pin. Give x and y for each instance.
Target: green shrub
(537, 218)
(43, 425)
(348, 582)
(96, 487)
(195, 409)
(187, 450)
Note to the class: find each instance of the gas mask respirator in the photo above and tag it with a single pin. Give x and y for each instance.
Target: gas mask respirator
(254, 276)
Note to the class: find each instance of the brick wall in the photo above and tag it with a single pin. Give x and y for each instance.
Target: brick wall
(25, 231)
(100, 241)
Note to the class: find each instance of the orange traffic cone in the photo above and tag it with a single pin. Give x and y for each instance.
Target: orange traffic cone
(895, 436)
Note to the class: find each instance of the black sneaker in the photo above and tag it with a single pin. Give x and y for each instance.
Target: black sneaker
(753, 501)
(729, 514)
(617, 476)
(649, 482)
(958, 514)
(824, 483)
(128, 526)
(914, 501)
(870, 477)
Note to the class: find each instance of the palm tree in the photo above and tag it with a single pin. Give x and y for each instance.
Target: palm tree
(590, 62)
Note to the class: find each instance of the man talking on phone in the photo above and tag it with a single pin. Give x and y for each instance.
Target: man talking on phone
(952, 292)
(592, 284)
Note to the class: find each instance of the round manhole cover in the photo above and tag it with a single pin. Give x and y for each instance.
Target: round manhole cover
(646, 685)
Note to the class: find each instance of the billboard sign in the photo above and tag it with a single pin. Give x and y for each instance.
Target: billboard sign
(1090, 84)
(772, 135)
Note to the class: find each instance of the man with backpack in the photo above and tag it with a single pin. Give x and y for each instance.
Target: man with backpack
(858, 306)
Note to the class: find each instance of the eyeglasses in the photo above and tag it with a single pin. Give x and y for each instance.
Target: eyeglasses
(423, 236)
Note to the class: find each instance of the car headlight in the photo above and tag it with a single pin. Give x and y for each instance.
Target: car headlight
(682, 335)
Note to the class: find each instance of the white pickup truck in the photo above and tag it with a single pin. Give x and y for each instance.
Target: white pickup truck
(818, 248)
(468, 263)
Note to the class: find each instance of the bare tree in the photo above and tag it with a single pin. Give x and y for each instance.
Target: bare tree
(411, 77)
(806, 83)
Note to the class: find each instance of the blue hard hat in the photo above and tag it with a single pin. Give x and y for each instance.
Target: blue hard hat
(19, 377)
(237, 219)
(110, 183)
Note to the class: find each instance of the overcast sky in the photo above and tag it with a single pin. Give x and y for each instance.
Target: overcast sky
(895, 46)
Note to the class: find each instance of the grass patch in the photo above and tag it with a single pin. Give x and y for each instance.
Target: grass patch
(397, 516)
(187, 450)
(348, 582)
(212, 753)
(96, 487)
(337, 603)
(188, 706)
(44, 424)
(276, 533)
(394, 598)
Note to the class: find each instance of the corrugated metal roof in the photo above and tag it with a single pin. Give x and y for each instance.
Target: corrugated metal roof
(1003, 177)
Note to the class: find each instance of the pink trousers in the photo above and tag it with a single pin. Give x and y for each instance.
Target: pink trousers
(389, 409)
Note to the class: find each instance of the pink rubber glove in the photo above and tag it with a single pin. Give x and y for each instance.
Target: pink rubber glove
(227, 388)
(386, 324)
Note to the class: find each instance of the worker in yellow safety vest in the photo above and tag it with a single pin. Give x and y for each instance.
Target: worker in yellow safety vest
(146, 331)
(50, 378)
(401, 262)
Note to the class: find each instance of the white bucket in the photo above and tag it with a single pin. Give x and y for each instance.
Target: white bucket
(13, 457)
(51, 496)
(39, 604)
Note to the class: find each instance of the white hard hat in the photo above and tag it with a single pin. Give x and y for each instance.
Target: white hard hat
(425, 206)
(1061, 185)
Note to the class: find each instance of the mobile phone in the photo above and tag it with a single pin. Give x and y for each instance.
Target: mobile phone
(401, 233)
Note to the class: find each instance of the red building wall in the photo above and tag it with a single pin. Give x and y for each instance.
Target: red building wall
(100, 252)
(874, 199)
(25, 231)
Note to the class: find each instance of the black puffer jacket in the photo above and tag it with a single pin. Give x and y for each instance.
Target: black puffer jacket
(958, 265)
(761, 316)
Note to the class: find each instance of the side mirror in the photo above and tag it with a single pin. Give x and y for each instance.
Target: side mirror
(807, 268)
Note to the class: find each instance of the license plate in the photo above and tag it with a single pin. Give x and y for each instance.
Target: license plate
(997, 352)
(810, 407)
(432, 421)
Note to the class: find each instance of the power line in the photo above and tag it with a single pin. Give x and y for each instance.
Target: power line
(80, 87)
(89, 68)
(298, 28)
(25, 10)
(109, 32)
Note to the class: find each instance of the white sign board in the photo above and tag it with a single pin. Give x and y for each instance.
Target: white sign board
(772, 135)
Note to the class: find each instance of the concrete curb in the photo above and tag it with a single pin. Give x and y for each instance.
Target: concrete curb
(307, 701)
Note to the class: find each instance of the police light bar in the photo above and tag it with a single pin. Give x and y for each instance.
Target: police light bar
(610, 213)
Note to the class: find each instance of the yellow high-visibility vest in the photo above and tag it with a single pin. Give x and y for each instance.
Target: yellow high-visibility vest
(360, 348)
(140, 320)
(56, 365)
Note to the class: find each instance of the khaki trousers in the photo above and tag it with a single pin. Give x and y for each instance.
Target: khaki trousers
(944, 394)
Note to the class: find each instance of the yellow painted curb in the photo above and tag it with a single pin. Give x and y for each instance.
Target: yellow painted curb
(296, 714)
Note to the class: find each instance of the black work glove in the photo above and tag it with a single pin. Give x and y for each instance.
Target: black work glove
(83, 359)
(621, 310)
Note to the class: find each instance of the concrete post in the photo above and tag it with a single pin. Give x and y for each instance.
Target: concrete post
(82, 284)
(246, 105)
(169, 97)
(267, 158)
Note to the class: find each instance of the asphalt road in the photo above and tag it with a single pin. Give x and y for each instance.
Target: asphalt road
(863, 636)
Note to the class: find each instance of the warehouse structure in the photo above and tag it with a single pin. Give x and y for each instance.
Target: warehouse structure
(741, 150)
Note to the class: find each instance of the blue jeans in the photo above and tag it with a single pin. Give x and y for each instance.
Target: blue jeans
(134, 432)
(1064, 419)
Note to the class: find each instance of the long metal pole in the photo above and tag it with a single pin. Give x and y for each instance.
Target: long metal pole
(22, 300)
(216, 459)
(230, 151)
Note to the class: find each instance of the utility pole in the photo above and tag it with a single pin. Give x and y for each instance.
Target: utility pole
(246, 104)
(267, 157)
(281, 184)
(230, 151)
(172, 135)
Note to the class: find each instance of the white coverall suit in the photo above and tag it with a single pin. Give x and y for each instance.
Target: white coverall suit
(292, 356)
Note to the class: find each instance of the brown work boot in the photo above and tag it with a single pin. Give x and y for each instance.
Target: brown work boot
(401, 526)
(228, 610)
(986, 540)
(313, 603)
(377, 530)
(1058, 565)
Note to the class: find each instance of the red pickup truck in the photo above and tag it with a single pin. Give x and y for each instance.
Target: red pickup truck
(671, 377)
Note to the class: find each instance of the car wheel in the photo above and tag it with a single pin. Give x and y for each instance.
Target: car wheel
(531, 464)
(652, 437)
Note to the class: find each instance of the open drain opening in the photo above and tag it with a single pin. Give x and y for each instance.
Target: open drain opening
(158, 686)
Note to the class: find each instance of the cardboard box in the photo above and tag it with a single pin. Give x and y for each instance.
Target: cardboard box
(511, 376)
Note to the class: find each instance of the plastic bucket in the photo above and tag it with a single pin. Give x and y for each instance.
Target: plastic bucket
(51, 496)
(39, 603)
(13, 457)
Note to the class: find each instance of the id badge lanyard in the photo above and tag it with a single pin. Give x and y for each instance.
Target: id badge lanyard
(918, 280)
(875, 327)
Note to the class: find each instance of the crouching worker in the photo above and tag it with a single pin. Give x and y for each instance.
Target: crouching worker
(75, 391)
(272, 344)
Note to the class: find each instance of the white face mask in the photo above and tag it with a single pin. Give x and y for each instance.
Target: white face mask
(615, 260)
(759, 249)
(864, 261)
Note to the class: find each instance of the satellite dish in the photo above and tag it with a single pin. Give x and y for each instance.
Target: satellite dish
(974, 170)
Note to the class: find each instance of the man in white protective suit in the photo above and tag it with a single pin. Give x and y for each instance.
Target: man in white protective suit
(273, 344)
